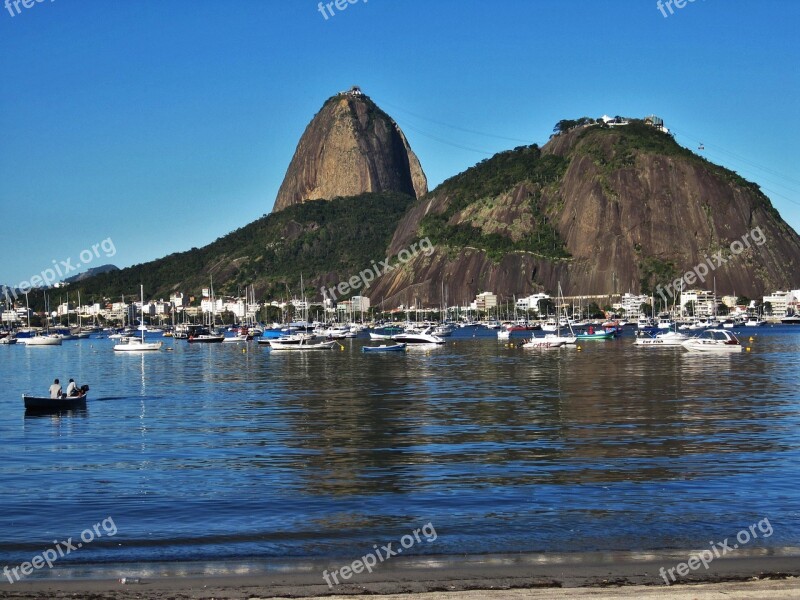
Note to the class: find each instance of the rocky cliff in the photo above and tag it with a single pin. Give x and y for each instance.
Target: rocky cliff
(601, 210)
(351, 147)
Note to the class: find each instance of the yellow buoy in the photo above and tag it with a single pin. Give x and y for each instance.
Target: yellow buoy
(751, 339)
(579, 348)
(748, 348)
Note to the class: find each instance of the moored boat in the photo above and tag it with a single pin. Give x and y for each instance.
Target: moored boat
(134, 344)
(384, 348)
(591, 334)
(41, 340)
(543, 344)
(670, 338)
(714, 340)
(306, 342)
(415, 336)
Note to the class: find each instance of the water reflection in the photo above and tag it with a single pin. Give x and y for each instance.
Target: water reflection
(209, 450)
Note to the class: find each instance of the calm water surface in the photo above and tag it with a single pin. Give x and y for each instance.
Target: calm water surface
(210, 453)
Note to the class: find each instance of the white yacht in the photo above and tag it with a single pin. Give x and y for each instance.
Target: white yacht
(714, 341)
(416, 336)
(668, 338)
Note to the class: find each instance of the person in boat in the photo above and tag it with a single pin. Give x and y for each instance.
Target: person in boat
(55, 390)
(72, 388)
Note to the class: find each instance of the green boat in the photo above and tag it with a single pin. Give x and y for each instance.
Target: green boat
(595, 335)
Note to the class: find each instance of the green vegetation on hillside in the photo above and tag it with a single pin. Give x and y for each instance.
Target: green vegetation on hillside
(640, 137)
(489, 179)
(342, 235)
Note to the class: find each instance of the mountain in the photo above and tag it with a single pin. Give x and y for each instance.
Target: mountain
(325, 241)
(88, 273)
(600, 209)
(350, 147)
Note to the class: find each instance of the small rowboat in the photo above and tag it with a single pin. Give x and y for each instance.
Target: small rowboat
(39, 404)
(384, 348)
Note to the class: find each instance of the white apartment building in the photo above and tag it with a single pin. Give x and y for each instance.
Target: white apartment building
(631, 303)
(703, 302)
(531, 302)
(485, 301)
(781, 302)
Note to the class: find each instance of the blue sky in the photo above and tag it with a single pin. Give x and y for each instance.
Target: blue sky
(164, 125)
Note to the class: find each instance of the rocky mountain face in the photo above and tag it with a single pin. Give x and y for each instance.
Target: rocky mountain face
(603, 211)
(351, 147)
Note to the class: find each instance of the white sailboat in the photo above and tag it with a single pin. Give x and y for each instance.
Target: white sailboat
(133, 344)
(554, 340)
(39, 338)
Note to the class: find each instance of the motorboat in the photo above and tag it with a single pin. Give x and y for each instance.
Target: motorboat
(444, 330)
(544, 343)
(380, 336)
(200, 334)
(235, 339)
(665, 323)
(714, 341)
(669, 338)
(754, 321)
(415, 336)
(550, 325)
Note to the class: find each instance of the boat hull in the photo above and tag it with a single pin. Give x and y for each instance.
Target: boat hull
(40, 341)
(275, 345)
(543, 344)
(137, 346)
(40, 404)
(602, 335)
(384, 348)
(206, 339)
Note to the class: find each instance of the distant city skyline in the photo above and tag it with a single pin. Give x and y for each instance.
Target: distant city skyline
(163, 128)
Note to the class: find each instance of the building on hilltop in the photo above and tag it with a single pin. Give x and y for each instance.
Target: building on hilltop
(353, 91)
(656, 122)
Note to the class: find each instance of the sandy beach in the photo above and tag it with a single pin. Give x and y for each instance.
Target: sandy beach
(487, 577)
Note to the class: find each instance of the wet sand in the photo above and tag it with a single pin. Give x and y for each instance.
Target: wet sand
(473, 578)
